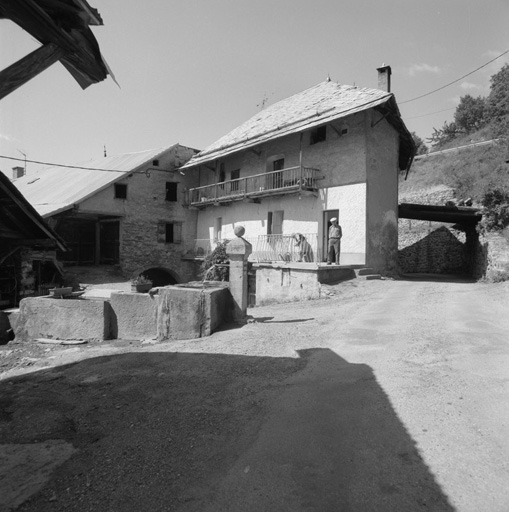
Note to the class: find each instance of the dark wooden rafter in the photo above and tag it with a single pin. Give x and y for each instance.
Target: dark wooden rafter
(28, 67)
(62, 27)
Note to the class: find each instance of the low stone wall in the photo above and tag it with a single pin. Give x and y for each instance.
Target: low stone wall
(187, 311)
(285, 283)
(65, 319)
(172, 312)
(135, 315)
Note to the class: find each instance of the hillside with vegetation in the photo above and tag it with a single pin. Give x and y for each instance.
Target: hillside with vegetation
(478, 172)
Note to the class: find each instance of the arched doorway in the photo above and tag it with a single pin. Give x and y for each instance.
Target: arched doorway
(160, 276)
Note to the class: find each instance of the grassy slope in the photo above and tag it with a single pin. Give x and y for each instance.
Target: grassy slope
(469, 171)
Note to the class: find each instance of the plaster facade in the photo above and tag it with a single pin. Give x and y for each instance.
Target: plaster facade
(357, 176)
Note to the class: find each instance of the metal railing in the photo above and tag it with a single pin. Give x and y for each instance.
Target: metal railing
(292, 178)
(297, 247)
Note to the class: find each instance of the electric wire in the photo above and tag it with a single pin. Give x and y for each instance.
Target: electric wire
(454, 81)
(59, 165)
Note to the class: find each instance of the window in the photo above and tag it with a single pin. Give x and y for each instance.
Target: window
(235, 175)
(155, 163)
(222, 174)
(171, 191)
(169, 232)
(318, 135)
(275, 222)
(120, 191)
(218, 227)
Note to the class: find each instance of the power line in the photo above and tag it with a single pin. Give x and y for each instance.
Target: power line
(60, 165)
(431, 113)
(454, 81)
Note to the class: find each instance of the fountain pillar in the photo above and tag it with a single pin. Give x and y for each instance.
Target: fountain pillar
(238, 251)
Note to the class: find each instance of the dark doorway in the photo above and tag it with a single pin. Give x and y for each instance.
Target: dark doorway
(327, 216)
(79, 235)
(109, 242)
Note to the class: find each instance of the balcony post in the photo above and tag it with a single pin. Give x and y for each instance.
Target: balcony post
(300, 160)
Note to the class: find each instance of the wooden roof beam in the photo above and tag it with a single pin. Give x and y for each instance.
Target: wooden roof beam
(28, 67)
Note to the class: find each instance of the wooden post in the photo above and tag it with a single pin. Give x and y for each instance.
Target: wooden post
(300, 161)
(28, 67)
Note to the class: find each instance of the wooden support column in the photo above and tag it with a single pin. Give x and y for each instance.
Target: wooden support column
(28, 67)
(300, 161)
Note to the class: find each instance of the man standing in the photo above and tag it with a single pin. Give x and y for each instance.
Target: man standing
(335, 234)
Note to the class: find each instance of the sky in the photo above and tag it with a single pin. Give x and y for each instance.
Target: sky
(191, 71)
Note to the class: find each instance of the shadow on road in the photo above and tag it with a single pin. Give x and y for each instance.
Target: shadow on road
(446, 278)
(207, 432)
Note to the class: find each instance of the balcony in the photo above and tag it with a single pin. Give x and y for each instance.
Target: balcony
(292, 180)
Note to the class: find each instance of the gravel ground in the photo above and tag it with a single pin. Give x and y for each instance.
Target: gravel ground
(388, 396)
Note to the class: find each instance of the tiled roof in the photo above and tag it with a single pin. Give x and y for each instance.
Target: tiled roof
(325, 102)
(56, 189)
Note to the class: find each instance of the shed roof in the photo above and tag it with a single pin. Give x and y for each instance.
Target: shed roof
(57, 189)
(328, 101)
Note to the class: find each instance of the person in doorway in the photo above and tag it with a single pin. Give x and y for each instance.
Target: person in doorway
(335, 234)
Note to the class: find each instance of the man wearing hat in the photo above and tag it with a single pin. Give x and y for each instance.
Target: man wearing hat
(335, 235)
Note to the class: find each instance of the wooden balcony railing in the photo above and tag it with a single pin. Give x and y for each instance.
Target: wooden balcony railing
(285, 181)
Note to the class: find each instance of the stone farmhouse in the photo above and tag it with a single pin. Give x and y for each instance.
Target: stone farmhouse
(330, 151)
(124, 210)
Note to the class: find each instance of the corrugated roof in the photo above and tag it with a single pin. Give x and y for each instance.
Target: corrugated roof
(56, 189)
(320, 104)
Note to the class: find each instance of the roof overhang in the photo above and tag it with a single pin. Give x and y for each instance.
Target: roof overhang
(62, 26)
(386, 105)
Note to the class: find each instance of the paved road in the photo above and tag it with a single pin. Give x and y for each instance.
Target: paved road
(391, 396)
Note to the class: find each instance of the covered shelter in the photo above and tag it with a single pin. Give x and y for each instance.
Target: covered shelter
(24, 237)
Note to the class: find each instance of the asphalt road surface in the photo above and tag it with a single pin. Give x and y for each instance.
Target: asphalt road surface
(390, 396)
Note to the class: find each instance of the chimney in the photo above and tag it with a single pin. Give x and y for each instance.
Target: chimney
(384, 78)
(17, 172)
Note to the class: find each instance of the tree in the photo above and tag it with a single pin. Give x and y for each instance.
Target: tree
(498, 101)
(470, 114)
(421, 148)
(445, 134)
(496, 208)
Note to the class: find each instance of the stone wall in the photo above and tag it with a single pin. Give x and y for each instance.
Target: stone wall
(431, 247)
(441, 251)
(492, 257)
(144, 213)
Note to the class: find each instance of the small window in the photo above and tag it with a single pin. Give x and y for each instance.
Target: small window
(169, 232)
(171, 191)
(235, 175)
(344, 130)
(155, 163)
(318, 135)
(120, 191)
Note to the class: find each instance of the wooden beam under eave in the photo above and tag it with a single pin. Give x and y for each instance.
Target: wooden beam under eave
(28, 67)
